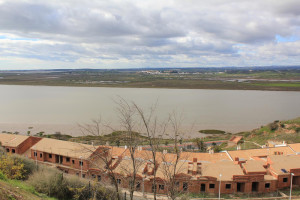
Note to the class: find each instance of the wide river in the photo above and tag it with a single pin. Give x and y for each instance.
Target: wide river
(230, 110)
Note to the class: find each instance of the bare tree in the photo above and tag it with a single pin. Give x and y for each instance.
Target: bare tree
(103, 156)
(175, 163)
(128, 123)
(154, 132)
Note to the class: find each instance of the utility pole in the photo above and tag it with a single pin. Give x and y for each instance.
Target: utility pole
(291, 186)
(220, 187)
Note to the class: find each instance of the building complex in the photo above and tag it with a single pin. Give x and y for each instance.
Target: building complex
(256, 170)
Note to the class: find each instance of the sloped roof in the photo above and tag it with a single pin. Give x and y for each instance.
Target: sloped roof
(226, 168)
(12, 140)
(250, 153)
(254, 166)
(64, 148)
(295, 147)
(279, 162)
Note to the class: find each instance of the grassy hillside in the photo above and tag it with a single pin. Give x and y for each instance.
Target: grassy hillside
(288, 131)
(19, 190)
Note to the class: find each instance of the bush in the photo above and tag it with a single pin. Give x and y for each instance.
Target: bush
(11, 168)
(273, 126)
(29, 165)
(56, 184)
(2, 176)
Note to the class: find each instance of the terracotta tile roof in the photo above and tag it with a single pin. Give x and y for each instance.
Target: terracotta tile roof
(254, 166)
(12, 140)
(226, 168)
(280, 162)
(64, 148)
(295, 147)
(206, 157)
(250, 153)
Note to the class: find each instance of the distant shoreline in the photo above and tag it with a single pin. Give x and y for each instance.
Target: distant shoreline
(295, 89)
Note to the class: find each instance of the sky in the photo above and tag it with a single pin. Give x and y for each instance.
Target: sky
(39, 34)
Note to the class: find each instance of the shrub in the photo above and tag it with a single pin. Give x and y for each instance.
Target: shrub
(29, 165)
(53, 183)
(11, 168)
(273, 126)
(2, 176)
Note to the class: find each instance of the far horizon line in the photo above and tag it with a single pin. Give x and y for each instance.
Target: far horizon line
(160, 68)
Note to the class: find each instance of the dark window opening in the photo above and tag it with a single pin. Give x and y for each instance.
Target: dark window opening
(211, 186)
(66, 171)
(7, 150)
(41, 155)
(77, 174)
(228, 186)
(93, 176)
(67, 159)
(50, 155)
(138, 185)
(285, 180)
(185, 186)
(80, 163)
(99, 178)
(161, 187)
(13, 151)
(83, 175)
(119, 181)
(177, 184)
(73, 161)
(267, 185)
(35, 154)
(154, 188)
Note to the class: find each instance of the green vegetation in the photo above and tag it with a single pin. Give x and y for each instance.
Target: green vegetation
(42, 181)
(190, 78)
(212, 131)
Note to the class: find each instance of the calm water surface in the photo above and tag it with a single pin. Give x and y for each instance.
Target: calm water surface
(231, 110)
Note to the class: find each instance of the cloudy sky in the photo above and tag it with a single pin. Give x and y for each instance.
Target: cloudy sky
(148, 33)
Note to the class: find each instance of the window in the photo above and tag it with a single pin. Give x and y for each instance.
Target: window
(138, 185)
(99, 178)
(177, 184)
(67, 159)
(83, 175)
(228, 186)
(80, 163)
(66, 171)
(35, 154)
(77, 174)
(50, 155)
(161, 187)
(185, 186)
(211, 186)
(267, 185)
(73, 161)
(285, 180)
(119, 181)
(41, 155)
(93, 176)
(153, 188)
(13, 151)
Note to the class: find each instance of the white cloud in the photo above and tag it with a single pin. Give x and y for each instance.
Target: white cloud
(117, 33)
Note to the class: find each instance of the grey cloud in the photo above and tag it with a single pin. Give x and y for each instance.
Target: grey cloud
(144, 30)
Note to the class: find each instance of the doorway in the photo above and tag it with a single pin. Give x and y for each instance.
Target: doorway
(254, 186)
(202, 187)
(240, 187)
